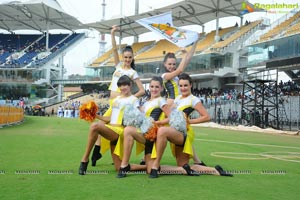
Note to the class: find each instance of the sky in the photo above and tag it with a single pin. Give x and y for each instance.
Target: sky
(89, 11)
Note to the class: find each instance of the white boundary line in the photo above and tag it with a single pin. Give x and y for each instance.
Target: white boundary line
(250, 144)
(283, 157)
(258, 155)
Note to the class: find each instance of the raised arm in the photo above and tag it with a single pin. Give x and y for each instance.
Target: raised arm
(114, 44)
(184, 62)
(141, 91)
(187, 57)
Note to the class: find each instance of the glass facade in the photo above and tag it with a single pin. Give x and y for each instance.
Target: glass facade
(259, 54)
(14, 90)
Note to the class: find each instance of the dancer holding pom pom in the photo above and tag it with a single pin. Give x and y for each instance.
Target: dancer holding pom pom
(125, 66)
(111, 132)
(182, 137)
(88, 111)
(143, 131)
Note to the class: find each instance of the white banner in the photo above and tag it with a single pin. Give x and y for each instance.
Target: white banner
(163, 25)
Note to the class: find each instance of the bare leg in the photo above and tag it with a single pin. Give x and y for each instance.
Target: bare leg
(95, 129)
(195, 157)
(130, 134)
(217, 170)
(181, 158)
(171, 170)
(92, 137)
(116, 159)
(149, 162)
(137, 167)
(170, 134)
(164, 135)
(98, 141)
(205, 170)
(97, 148)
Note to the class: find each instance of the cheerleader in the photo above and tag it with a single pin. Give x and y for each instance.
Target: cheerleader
(170, 78)
(182, 141)
(111, 132)
(155, 108)
(127, 67)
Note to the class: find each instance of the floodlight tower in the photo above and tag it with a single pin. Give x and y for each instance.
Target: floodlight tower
(136, 12)
(102, 42)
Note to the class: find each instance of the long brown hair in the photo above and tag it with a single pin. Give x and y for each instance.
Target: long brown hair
(129, 49)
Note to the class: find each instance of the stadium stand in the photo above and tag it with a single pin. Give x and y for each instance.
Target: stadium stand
(294, 29)
(138, 46)
(246, 29)
(108, 60)
(106, 56)
(157, 52)
(21, 50)
(279, 28)
(210, 38)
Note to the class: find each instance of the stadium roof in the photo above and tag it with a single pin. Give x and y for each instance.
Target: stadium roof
(186, 12)
(36, 15)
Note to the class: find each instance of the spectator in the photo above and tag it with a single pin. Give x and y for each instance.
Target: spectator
(229, 117)
(220, 114)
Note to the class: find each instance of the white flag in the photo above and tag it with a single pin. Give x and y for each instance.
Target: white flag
(163, 25)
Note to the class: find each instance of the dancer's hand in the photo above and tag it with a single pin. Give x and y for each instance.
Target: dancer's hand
(114, 28)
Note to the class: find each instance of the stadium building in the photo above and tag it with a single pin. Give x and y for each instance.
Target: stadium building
(243, 59)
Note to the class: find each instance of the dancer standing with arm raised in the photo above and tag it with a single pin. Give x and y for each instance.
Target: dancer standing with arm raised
(126, 67)
(170, 78)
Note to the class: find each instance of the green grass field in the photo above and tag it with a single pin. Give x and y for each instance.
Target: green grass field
(265, 166)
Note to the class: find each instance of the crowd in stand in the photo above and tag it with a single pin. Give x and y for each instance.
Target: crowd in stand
(13, 46)
(70, 108)
(289, 88)
(208, 96)
(12, 59)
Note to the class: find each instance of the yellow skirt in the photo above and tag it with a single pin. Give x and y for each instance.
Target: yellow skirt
(105, 143)
(188, 145)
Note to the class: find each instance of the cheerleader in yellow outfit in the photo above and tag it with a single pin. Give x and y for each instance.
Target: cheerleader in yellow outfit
(126, 67)
(155, 107)
(170, 78)
(182, 142)
(113, 131)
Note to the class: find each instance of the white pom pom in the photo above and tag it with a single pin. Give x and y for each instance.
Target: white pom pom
(177, 120)
(147, 124)
(132, 116)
